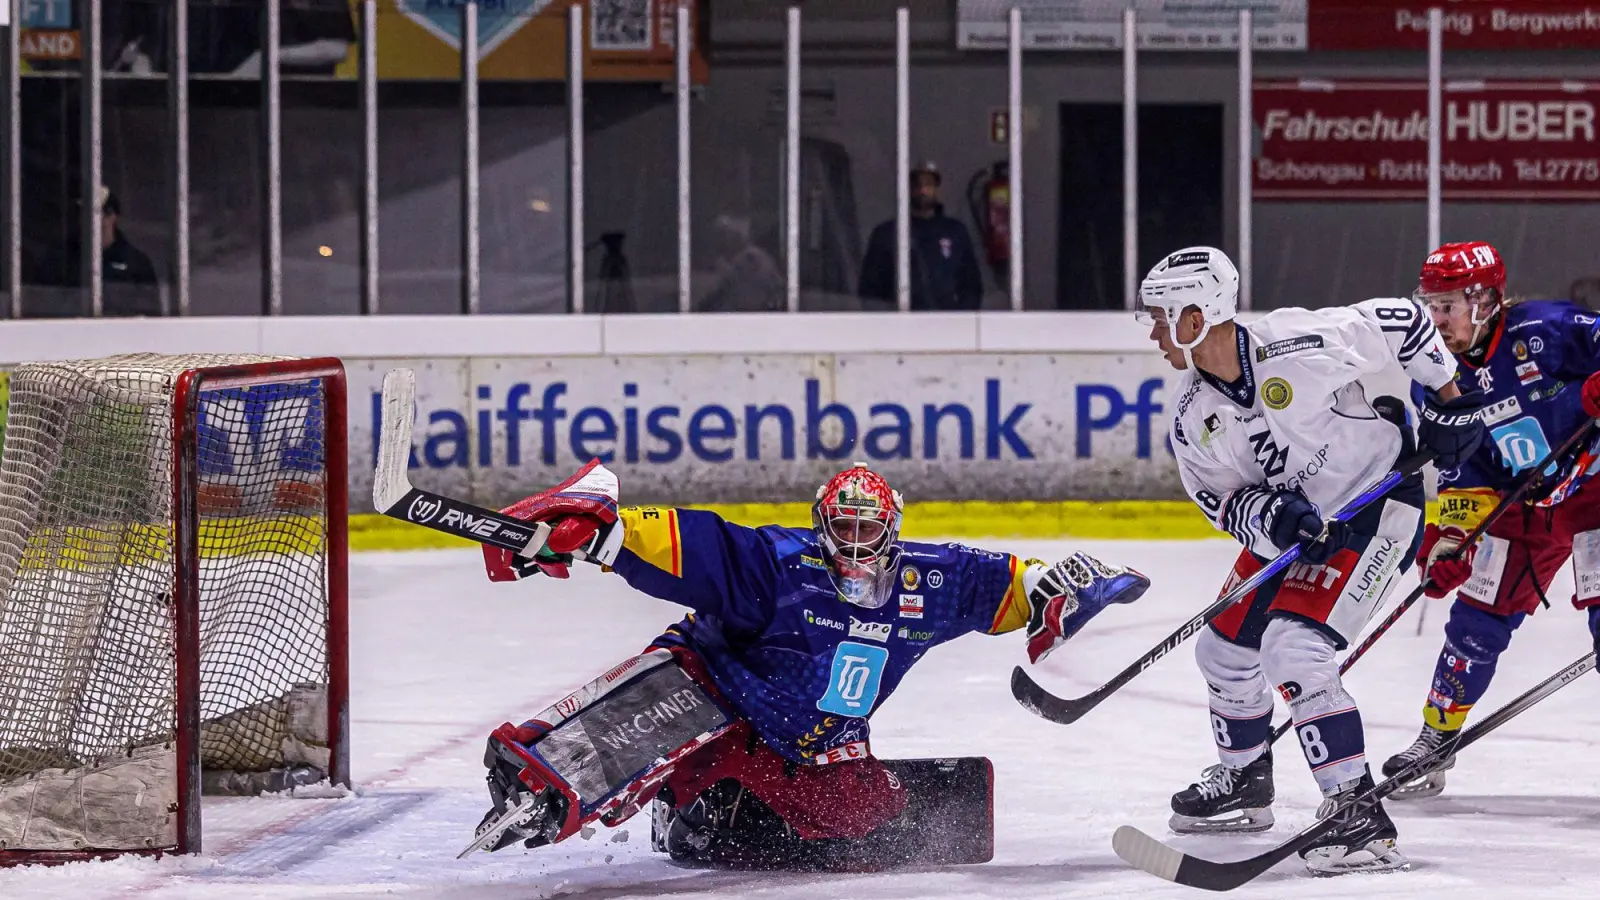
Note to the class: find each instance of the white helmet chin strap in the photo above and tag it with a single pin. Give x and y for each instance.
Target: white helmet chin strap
(1188, 349)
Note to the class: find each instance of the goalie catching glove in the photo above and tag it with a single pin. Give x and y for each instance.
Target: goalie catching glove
(1065, 596)
(582, 514)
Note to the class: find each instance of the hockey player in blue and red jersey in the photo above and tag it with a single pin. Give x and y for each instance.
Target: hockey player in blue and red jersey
(748, 719)
(1536, 361)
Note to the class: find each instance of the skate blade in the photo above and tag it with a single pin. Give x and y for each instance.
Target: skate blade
(1429, 785)
(1376, 857)
(1240, 821)
(488, 835)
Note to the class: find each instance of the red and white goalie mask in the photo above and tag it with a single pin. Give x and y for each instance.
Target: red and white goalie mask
(857, 520)
(1462, 286)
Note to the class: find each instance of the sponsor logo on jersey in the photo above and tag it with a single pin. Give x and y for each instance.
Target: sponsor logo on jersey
(1284, 348)
(1213, 424)
(1536, 344)
(910, 606)
(812, 562)
(906, 634)
(843, 753)
(1582, 319)
(870, 631)
(853, 683)
(935, 578)
(1189, 393)
(1495, 413)
(1522, 444)
(1312, 577)
(823, 621)
(910, 578)
(1177, 433)
(1276, 393)
(1528, 373)
(1520, 350)
(1290, 690)
(1312, 467)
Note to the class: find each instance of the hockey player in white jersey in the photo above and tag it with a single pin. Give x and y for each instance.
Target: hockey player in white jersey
(1273, 432)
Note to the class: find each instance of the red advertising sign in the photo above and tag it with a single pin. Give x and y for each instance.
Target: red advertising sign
(1468, 24)
(1350, 140)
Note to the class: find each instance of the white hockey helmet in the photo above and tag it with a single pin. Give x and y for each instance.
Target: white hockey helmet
(1202, 277)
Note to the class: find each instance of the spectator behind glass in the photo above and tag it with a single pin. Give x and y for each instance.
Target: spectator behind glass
(746, 277)
(129, 278)
(944, 266)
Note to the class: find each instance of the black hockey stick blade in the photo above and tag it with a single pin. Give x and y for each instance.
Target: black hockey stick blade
(395, 496)
(1145, 852)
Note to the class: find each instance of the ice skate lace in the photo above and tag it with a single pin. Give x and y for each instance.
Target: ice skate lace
(1216, 781)
(1425, 744)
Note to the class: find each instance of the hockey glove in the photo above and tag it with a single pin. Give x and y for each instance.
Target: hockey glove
(1442, 576)
(1291, 519)
(582, 513)
(1591, 396)
(1062, 598)
(1452, 429)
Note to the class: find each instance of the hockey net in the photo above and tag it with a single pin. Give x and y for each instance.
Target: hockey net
(171, 594)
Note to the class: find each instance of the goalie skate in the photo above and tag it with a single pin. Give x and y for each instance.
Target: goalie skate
(528, 819)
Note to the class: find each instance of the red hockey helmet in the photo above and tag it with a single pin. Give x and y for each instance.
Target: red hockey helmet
(857, 520)
(1462, 283)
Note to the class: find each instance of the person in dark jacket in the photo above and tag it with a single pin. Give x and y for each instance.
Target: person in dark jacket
(944, 266)
(129, 278)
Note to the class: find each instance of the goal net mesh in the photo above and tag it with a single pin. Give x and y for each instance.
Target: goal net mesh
(88, 577)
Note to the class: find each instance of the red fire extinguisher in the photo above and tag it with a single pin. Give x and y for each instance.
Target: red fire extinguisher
(989, 199)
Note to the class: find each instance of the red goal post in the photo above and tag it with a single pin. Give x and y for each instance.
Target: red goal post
(173, 595)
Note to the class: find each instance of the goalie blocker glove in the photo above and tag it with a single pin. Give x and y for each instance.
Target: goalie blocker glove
(1452, 429)
(582, 514)
(1064, 597)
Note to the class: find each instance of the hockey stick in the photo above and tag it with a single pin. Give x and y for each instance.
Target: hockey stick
(1528, 482)
(395, 496)
(1145, 852)
(1064, 711)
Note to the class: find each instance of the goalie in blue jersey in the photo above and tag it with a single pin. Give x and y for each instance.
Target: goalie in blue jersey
(748, 720)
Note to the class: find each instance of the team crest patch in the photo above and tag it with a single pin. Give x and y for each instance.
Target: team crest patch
(910, 578)
(1521, 351)
(1276, 393)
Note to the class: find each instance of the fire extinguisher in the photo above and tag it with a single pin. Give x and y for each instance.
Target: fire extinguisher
(989, 201)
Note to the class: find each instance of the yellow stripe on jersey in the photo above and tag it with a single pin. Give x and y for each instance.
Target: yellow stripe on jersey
(1465, 508)
(652, 535)
(1014, 609)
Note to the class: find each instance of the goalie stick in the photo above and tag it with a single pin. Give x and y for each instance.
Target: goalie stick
(1145, 852)
(1066, 711)
(395, 496)
(1524, 485)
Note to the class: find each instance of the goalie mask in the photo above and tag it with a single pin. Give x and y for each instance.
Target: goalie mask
(857, 521)
(1463, 287)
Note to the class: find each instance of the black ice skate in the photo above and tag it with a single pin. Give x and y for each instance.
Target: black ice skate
(1429, 743)
(1226, 800)
(1360, 841)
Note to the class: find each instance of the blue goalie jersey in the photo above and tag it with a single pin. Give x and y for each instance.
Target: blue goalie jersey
(805, 667)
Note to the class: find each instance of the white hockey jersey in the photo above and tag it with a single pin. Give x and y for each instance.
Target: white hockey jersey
(1299, 418)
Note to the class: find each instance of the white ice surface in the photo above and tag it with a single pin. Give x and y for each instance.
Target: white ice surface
(439, 657)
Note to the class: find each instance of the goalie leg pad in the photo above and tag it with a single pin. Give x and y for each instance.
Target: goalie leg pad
(604, 750)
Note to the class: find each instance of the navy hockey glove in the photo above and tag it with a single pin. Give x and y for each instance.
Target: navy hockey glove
(1452, 429)
(1290, 519)
(1064, 597)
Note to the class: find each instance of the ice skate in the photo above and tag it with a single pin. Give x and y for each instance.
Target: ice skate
(1362, 841)
(1226, 800)
(1428, 743)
